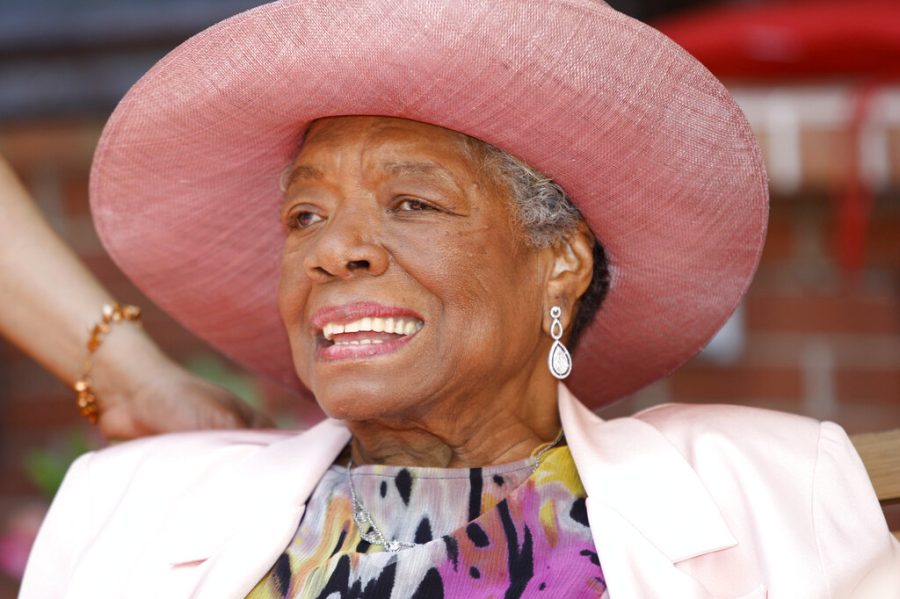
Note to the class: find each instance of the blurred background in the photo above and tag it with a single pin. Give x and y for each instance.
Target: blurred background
(819, 330)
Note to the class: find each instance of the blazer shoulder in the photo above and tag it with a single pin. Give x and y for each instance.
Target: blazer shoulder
(810, 470)
(105, 489)
(722, 416)
(179, 459)
(694, 428)
(187, 447)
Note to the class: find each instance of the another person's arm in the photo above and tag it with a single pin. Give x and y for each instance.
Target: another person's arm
(48, 303)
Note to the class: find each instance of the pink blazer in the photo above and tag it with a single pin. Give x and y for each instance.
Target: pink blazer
(684, 502)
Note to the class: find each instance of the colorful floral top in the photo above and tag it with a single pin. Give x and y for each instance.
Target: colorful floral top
(502, 531)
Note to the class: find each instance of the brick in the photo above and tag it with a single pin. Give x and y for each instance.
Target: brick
(792, 278)
(866, 417)
(870, 385)
(74, 189)
(779, 241)
(62, 143)
(102, 267)
(826, 157)
(16, 483)
(41, 412)
(894, 155)
(24, 376)
(79, 233)
(892, 516)
(702, 383)
(882, 237)
(654, 394)
(7, 351)
(838, 313)
(171, 336)
(883, 242)
(9, 588)
(846, 350)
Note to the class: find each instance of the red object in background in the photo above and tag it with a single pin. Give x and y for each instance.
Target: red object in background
(805, 40)
(790, 40)
(855, 205)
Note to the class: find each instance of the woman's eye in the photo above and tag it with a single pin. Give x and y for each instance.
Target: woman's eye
(413, 205)
(303, 219)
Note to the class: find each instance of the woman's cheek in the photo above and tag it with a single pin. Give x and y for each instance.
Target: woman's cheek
(291, 292)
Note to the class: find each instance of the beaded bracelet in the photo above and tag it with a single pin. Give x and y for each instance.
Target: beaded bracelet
(111, 314)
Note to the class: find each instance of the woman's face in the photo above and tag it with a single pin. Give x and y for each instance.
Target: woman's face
(405, 278)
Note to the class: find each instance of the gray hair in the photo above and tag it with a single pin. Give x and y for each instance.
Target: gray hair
(547, 215)
(543, 209)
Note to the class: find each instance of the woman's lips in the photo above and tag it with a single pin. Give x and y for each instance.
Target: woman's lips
(358, 310)
(363, 330)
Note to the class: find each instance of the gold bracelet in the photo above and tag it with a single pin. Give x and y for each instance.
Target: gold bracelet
(85, 398)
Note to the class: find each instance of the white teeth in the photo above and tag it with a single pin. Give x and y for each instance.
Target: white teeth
(330, 330)
(395, 325)
(361, 342)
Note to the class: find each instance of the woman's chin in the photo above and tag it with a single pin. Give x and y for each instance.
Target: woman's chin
(350, 399)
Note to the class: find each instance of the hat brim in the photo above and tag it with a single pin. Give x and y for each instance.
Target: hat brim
(648, 144)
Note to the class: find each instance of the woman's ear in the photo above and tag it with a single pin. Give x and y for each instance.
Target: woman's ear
(571, 270)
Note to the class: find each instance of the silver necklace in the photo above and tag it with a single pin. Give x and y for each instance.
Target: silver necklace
(370, 532)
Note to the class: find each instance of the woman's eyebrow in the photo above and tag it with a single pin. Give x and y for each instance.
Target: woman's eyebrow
(419, 169)
(302, 172)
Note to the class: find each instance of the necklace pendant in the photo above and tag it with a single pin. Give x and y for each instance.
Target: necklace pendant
(392, 546)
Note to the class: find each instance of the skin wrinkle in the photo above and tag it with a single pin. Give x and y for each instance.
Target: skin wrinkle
(471, 388)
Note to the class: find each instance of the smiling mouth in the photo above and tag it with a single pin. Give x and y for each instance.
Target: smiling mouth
(370, 331)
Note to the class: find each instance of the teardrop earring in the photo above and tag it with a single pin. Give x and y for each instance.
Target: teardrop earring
(559, 361)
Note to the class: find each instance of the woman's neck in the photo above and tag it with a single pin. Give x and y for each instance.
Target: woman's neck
(458, 438)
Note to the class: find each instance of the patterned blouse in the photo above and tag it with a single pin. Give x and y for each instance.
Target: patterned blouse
(502, 531)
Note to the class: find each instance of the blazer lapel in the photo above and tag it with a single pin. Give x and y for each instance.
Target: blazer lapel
(634, 567)
(229, 535)
(647, 507)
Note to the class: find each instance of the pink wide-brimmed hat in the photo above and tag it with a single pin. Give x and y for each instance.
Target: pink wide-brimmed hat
(648, 144)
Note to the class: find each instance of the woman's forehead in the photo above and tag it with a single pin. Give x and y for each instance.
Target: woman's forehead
(347, 129)
(398, 146)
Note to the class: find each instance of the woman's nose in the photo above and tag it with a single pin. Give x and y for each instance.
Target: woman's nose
(346, 246)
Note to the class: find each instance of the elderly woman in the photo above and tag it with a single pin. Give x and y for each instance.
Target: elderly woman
(432, 281)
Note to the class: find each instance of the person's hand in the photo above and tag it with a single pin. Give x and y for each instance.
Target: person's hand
(141, 391)
(174, 401)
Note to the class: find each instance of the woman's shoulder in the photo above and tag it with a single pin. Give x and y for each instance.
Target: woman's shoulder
(173, 493)
(751, 429)
(749, 457)
(180, 460)
(197, 441)
(185, 449)
(721, 415)
(779, 453)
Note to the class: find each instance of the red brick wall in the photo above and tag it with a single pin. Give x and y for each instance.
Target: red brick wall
(815, 344)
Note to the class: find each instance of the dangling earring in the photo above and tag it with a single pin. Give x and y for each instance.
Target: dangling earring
(559, 361)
